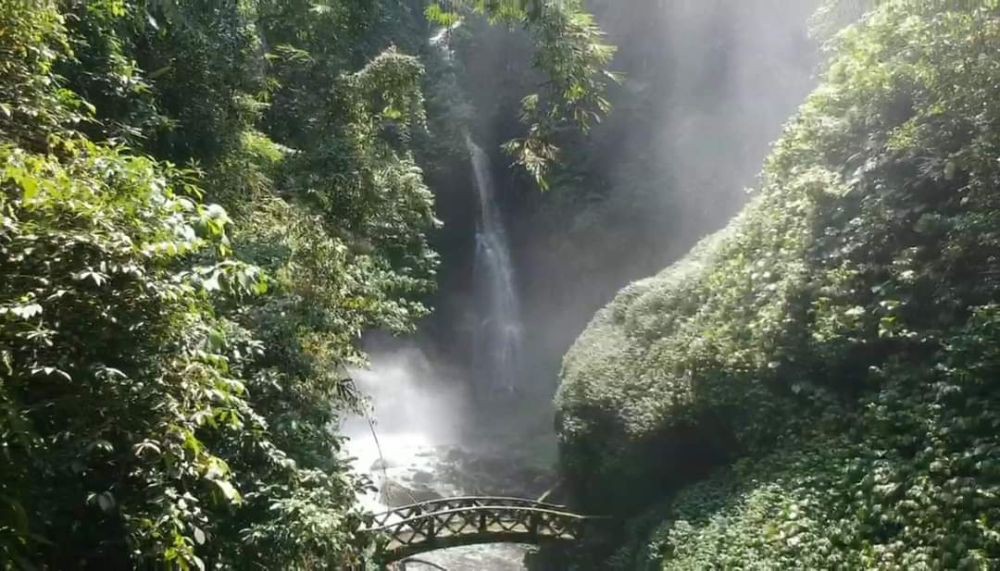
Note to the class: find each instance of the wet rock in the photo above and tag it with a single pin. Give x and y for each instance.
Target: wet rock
(476, 473)
(423, 477)
(455, 455)
(394, 494)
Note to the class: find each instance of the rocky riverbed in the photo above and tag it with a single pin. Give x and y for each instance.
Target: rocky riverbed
(411, 469)
(429, 438)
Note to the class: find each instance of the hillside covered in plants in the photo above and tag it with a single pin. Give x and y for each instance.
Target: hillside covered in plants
(818, 385)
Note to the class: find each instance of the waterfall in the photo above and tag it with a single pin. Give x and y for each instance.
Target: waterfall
(498, 332)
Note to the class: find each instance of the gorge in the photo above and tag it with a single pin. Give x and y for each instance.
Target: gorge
(312, 284)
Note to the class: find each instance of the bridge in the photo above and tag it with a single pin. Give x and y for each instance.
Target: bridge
(452, 522)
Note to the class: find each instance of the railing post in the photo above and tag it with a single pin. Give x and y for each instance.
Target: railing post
(533, 525)
(482, 522)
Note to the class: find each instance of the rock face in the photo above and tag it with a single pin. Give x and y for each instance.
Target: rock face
(616, 406)
(817, 385)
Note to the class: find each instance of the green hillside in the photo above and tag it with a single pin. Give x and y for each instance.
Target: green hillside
(816, 386)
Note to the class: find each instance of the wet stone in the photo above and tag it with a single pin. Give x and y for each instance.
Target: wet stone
(395, 494)
(423, 477)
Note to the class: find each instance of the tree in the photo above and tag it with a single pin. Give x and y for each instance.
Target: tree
(571, 54)
(173, 340)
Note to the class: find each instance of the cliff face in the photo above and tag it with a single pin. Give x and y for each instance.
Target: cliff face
(818, 384)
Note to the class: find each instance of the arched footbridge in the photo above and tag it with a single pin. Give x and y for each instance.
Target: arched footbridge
(452, 522)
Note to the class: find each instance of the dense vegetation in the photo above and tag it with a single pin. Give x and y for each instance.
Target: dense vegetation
(204, 204)
(815, 386)
(702, 84)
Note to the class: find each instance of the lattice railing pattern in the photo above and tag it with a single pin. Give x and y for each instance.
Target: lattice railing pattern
(456, 521)
(444, 504)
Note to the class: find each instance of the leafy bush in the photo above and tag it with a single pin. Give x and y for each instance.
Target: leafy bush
(143, 421)
(116, 374)
(838, 336)
(171, 379)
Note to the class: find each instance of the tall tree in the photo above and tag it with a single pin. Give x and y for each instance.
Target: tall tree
(172, 371)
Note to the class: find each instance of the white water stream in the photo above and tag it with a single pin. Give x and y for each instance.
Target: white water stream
(498, 343)
(412, 448)
(415, 449)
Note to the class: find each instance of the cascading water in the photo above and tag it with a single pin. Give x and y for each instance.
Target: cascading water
(420, 407)
(499, 330)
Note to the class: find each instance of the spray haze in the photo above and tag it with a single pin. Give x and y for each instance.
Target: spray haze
(708, 86)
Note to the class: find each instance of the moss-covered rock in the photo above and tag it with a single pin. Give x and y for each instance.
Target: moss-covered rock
(832, 354)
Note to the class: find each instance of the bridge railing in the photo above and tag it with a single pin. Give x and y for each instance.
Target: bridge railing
(486, 519)
(450, 522)
(430, 506)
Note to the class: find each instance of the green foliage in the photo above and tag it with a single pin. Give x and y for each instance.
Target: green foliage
(834, 15)
(839, 336)
(573, 56)
(172, 372)
(910, 484)
(140, 402)
(116, 371)
(32, 105)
